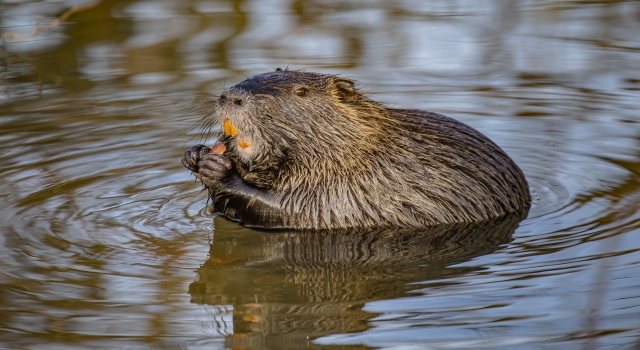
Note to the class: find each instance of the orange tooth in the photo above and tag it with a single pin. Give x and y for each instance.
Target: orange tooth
(245, 144)
(229, 128)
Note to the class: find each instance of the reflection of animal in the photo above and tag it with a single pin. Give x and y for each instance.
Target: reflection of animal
(293, 285)
(308, 150)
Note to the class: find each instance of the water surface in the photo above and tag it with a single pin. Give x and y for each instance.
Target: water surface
(105, 240)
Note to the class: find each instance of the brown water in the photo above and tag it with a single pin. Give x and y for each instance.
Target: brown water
(104, 237)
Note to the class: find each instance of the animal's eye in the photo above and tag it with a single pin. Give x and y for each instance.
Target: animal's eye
(300, 92)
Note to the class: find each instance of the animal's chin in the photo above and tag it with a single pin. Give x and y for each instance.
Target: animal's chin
(245, 146)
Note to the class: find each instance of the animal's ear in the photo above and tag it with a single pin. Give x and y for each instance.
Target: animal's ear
(344, 88)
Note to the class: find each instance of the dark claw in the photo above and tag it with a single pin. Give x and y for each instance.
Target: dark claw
(193, 155)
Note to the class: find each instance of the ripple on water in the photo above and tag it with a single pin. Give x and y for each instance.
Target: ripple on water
(98, 242)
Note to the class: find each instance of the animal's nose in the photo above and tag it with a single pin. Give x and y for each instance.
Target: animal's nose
(229, 97)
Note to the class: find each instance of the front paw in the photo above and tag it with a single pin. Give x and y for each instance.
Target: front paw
(193, 156)
(206, 166)
(213, 167)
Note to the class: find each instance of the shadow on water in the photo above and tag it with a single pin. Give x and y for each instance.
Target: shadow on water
(291, 287)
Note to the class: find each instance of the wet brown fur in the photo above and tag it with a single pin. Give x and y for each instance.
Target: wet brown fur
(340, 159)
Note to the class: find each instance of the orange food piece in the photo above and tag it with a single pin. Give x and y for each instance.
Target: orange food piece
(218, 148)
(245, 144)
(229, 128)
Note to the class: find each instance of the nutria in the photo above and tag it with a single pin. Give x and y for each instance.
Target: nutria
(309, 150)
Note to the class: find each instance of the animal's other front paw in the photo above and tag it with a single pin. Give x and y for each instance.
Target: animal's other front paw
(213, 167)
(208, 167)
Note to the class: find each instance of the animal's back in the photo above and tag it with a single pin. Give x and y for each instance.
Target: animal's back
(460, 174)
